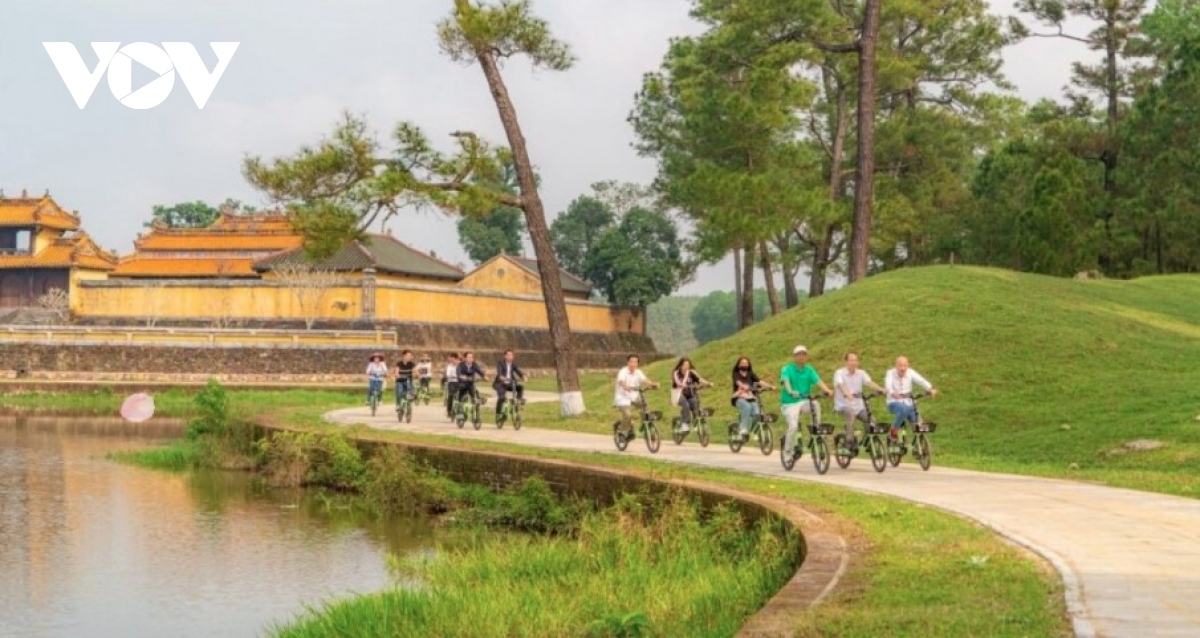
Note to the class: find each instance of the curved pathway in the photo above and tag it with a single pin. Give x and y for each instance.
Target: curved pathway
(1130, 560)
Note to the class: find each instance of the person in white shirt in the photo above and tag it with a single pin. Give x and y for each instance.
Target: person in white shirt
(899, 383)
(629, 380)
(848, 383)
(376, 371)
(450, 379)
(425, 371)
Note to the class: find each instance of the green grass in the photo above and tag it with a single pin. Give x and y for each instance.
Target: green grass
(916, 571)
(176, 457)
(1039, 375)
(176, 402)
(666, 571)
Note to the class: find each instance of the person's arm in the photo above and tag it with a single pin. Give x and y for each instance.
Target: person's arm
(868, 381)
(824, 388)
(518, 373)
(921, 381)
(623, 379)
(787, 383)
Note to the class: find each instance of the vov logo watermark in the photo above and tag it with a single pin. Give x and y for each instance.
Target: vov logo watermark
(118, 61)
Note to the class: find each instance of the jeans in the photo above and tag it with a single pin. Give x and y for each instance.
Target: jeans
(405, 386)
(451, 392)
(688, 408)
(851, 413)
(791, 414)
(374, 385)
(747, 413)
(425, 382)
(502, 390)
(903, 411)
(466, 389)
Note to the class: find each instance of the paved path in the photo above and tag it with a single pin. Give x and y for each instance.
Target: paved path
(1130, 560)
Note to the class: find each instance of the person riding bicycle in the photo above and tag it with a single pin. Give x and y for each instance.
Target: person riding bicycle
(468, 373)
(686, 380)
(629, 381)
(376, 371)
(848, 399)
(404, 376)
(508, 376)
(899, 382)
(450, 381)
(798, 379)
(746, 388)
(425, 371)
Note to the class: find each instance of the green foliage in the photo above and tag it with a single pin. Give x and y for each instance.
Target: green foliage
(486, 236)
(212, 412)
(715, 315)
(529, 506)
(397, 484)
(177, 457)
(506, 28)
(577, 231)
(639, 568)
(669, 324)
(196, 214)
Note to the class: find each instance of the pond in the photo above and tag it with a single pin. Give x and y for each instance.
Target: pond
(90, 547)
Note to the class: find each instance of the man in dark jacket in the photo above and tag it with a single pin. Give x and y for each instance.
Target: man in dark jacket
(509, 376)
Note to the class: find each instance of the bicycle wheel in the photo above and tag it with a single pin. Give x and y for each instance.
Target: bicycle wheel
(878, 454)
(702, 432)
(677, 434)
(652, 438)
(820, 454)
(374, 403)
(619, 438)
(841, 451)
(400, 412)
(476, 417)
(922, 451)
(460, 418)
(516, 419)
(735, 439)
(787, 458)
(895, 450)
(766, 442)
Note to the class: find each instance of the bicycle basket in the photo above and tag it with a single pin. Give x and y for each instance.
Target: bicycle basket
(707, 412)
(768, 417)
(656, 415)
(926, 427)
(823, 429)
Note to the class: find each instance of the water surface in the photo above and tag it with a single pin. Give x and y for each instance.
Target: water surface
(92, 548)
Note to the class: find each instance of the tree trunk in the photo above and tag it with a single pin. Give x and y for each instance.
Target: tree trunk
(737, 285)
(788, 265)
(571, 398)
(746, 304)
(769, 277)
(864, 186)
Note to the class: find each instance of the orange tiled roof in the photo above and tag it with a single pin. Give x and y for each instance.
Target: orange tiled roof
(41, 211)
(149, 266)
(206, 240)
(255, 222)
(73, 251)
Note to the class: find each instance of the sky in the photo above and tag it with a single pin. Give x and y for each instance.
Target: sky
(302, 63)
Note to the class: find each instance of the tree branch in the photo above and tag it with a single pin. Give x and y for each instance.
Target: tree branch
(1060, 34)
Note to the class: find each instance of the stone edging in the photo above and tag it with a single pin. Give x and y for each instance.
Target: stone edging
(826, 557)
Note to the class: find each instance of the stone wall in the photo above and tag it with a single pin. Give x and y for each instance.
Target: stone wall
(594, 351)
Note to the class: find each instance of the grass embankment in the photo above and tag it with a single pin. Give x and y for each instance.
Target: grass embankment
(1039, 375)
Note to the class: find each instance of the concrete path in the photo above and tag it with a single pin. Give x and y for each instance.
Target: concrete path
(1130, 560)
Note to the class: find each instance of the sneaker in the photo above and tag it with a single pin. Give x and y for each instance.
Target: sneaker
(745, 435)
(894, 434)
(685, 428)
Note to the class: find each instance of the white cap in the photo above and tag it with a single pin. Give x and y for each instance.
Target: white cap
(798, 349)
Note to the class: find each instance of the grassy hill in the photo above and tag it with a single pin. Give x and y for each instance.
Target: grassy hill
(1039, 375)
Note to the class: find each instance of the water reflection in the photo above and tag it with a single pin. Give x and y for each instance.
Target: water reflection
(92, 548)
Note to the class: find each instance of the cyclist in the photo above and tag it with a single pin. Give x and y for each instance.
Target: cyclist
(468, 373)
(746, 387)
(508, 374)
(899, 382)
(425, 372)
(450, 379)
(798, 379)
(629, 380)
(848, 400)
(685, 379)
(404, 376)
(376, 371)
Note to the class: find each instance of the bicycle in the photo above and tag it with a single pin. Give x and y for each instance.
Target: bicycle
(699, 420)
(512, 410)
(872, 440)
(424, 393)
(818, 443)
(921, 450)
(645, 427)
(760, 429)
(470, 411)
(404, 407)
(374, 393)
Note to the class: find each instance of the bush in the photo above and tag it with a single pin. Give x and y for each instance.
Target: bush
(397, 484)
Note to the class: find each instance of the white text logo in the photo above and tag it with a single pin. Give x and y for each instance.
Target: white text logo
(118, 61)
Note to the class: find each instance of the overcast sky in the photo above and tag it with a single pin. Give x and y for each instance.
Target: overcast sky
(301, 63)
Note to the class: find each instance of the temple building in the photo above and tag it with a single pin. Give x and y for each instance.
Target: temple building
(42, 247)
(226, 249)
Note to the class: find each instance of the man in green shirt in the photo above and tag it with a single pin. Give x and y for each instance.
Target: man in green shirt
(798, 379)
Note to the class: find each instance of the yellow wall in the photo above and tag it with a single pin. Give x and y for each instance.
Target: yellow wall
(73, 289)
(504, 275)
(43, 238)
(393, 302)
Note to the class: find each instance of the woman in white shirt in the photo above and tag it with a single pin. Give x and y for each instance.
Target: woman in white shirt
(899, 383)
(376, 371)
(629, 381)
